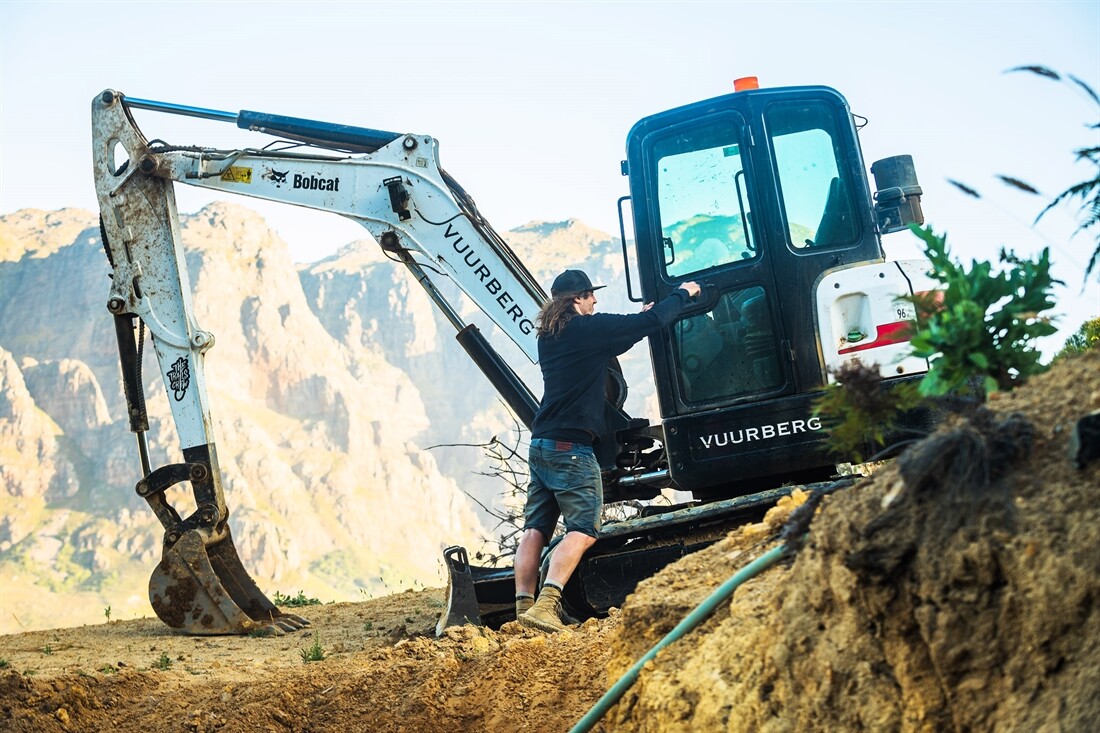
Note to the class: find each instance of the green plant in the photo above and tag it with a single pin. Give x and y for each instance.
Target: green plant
(859, 409)
(982, 324)
(294, 601)
(315, 653)
(107, 613)
(1087, 337)
(163, 663)
(4, 663)
(47, 650)
(108, 669)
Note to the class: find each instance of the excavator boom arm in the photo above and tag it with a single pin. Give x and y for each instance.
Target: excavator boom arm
(398, 192)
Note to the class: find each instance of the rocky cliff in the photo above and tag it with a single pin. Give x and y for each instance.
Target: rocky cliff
(330, 382)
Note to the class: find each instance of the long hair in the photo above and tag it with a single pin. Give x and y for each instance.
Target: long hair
(554, 315)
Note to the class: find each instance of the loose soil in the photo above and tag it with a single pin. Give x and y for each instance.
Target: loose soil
(958, 589)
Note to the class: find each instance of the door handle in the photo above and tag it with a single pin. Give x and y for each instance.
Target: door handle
(704, 301)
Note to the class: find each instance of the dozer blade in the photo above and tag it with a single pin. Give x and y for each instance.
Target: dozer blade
(205, 590)
(461, 605)
(476, 595)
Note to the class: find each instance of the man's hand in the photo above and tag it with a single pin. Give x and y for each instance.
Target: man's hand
(692, 288)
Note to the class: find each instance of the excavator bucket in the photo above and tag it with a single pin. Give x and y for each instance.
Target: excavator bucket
(204, 590)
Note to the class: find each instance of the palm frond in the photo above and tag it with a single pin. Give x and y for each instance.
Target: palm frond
(1090, 154)
(1088, 90)
(1083, 190)
(1017, 183)
(1040, 70)
(964, 188)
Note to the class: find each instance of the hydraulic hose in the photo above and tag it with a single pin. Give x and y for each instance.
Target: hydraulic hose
(693, 619)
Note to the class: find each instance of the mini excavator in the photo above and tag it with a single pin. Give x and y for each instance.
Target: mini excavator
(762, 195)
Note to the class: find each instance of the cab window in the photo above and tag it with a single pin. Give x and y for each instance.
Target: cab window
(814, 186)
(728, 351)
(705, 217)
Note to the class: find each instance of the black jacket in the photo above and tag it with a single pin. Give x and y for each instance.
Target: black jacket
(574, 365)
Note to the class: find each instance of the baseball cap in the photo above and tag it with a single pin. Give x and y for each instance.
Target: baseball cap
(572, 281)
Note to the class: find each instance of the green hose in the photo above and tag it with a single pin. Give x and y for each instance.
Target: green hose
(693, 619)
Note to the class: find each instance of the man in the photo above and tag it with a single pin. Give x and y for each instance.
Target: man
(575, 345)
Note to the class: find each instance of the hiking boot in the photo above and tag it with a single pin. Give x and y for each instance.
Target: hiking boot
(545, 615)
(523, 603)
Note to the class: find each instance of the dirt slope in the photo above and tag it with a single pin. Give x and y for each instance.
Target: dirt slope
(957, 590)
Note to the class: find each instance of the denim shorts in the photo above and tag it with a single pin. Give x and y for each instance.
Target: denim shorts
(565, 481)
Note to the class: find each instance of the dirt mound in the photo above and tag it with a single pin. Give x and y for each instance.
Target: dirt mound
(956, 590)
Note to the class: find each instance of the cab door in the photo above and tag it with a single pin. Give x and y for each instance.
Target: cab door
(822, 212)
(699, 219)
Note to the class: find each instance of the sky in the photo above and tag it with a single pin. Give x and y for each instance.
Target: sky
(532, 101)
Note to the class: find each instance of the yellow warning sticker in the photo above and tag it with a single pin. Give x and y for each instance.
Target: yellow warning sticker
(237, 174)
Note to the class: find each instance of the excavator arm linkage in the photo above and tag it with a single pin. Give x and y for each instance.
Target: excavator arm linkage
(199, 586)
(393, 186)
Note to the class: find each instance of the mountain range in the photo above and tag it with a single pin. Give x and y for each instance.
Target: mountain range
(347, 419)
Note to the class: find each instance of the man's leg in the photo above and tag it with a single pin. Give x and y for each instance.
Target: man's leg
(580, 496)
(546, 614)
(567, 554)
(528, 558)
(540, 510)
(574, 478)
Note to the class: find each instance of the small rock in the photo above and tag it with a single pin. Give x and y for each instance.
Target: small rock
(1084, 440)
(481, 645)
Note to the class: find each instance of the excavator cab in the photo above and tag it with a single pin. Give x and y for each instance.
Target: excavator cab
(758, 195)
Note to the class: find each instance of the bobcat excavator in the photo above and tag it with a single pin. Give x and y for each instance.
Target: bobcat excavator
(760, 194)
